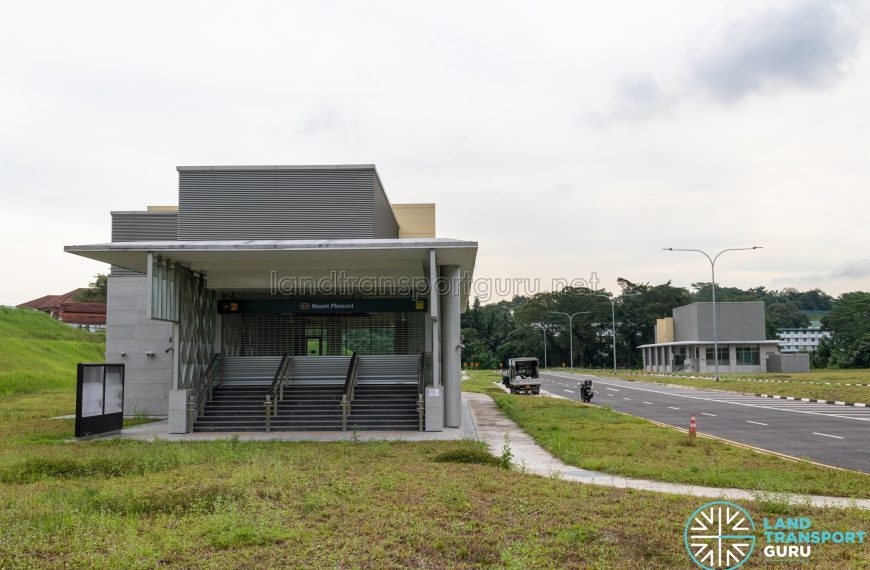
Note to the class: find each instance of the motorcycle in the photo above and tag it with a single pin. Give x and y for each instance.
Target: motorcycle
(586, 392)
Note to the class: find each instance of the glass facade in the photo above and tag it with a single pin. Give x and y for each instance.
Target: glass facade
(723, 356)
(748, 355)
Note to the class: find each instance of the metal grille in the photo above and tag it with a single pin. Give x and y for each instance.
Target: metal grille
(195, 326)
(322, 335)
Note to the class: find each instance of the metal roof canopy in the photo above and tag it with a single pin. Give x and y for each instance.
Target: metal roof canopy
(247, 264)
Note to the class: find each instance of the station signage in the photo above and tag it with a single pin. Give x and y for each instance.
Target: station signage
(320, 306)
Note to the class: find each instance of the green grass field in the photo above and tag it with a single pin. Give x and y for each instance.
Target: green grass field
(229, 504)
(602, 440)
(820, 384)
(38, 354)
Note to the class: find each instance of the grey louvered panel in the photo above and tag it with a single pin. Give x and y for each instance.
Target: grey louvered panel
(389, 369)
(386, 226)
(142, 226)
(318, 370)
(249, 369)
(276, 204)
(330, 370)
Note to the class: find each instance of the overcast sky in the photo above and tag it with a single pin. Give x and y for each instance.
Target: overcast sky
(567, 138)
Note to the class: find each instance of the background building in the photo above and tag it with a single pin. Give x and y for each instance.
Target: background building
(309, 262)
(64, 308)
(804, 339)
(684, 342)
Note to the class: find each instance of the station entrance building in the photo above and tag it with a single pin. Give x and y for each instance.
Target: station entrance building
(286, 298)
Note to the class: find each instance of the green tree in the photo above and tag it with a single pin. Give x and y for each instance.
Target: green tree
(96, 291)
(849, 324)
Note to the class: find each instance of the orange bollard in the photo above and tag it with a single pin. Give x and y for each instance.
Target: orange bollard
(692, 427)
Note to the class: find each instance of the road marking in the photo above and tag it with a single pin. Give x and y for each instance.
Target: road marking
(828, 435)
(612, 389)
(626, 398)
(567, 390)
(648, 403)
(706, 414)
(672, 408)
(610, 395)
(724, 401)
(756, 423)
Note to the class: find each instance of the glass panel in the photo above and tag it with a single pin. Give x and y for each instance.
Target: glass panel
(114, 390)
(92, 391)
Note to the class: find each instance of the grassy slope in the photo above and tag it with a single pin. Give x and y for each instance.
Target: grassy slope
(819, 384)
(603, 440)
(39, 354)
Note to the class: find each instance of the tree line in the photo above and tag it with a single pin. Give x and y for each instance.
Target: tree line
(494, 332)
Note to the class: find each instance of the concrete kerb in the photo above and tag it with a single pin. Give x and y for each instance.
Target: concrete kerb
(492, 426)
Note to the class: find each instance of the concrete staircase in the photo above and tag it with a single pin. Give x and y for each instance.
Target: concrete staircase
(386, 397)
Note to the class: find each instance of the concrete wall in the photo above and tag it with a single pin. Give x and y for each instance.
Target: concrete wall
(665, 330)
(794, 362)
(415, 220)
(148, 379)
(736, 321)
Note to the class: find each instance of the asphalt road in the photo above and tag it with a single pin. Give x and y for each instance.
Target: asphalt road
(826, 433)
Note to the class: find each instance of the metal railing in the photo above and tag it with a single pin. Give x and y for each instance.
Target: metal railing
(421, 388)
(349, 390)
(276, 390)
(203, 389)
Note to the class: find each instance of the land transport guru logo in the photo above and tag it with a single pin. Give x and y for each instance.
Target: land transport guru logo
(719, 535)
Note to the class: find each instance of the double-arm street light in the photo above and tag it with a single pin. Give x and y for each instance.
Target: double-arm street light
(712, 261)
(613, 301)
(571, 331)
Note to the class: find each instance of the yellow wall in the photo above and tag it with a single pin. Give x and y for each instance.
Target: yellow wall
(665, 330)
(415, 220)
(162, 208)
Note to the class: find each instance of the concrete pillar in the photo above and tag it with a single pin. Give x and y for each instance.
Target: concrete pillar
(451, 369)
(434, 315)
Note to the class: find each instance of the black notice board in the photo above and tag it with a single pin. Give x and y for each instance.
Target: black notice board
(99, 399)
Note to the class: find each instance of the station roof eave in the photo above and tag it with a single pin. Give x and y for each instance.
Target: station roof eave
(243, 264)
(696, 342)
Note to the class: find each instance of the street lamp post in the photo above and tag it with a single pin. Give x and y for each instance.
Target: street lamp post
(543, 327)
(613, 301)
(571, 331)
(712, 261)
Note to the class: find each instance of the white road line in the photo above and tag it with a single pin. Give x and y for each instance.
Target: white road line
(756, 423)
(626, 398)
(648, 403)
(828, 435)
(706, 414)
(721, 401)
(612, 389)
(672, 408)
(570, 391)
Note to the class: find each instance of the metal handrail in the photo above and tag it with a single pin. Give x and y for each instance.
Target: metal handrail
(275, 394)
(204, 389)
(421, 387)
(347, 395)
